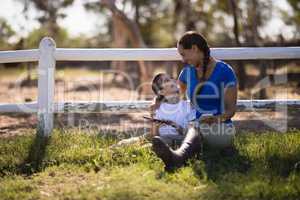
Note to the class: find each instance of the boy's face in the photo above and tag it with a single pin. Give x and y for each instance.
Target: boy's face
(169, 87)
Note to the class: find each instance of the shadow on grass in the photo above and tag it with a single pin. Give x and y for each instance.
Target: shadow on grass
(219, 162)
(34, 160)
(283, 166)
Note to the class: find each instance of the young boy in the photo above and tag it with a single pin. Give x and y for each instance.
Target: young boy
(175, 113)
(172, 115)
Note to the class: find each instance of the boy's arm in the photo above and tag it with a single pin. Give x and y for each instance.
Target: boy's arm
(154, 105)
(154, 129)
(182, 87)
(179, 129)
(154, 126)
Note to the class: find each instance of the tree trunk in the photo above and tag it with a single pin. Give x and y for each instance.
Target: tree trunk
(254, 15)
(119, 41)
(178, 9)
(132, 31)
(242, 76)
(189, 22)
(183, 8)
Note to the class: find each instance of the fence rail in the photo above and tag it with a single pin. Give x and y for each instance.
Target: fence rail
(150, 54)
(19, 56)
(48, 54)
(138, 106)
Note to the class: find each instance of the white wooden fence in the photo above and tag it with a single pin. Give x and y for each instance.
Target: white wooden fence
(48, 54)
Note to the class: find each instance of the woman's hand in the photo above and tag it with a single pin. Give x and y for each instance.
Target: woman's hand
(214, 119)
(209, 119)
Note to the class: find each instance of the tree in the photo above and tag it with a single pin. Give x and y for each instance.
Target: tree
(257, 15)
(131, 36)
(6, 33)
(236, 30)
(190, 15)
(51, 12)
(294, 17)
(129, 28)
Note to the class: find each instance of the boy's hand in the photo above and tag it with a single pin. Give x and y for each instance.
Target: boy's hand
(178, 128)
(163, 122)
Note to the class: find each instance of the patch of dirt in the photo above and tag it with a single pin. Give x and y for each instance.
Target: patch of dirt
(133, 124)
(16, 124)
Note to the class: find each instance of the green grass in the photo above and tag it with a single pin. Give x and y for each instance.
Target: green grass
(76, 165)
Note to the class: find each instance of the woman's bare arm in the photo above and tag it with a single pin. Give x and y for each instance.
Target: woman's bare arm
(230, 100)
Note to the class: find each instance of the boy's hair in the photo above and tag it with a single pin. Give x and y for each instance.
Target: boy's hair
(157, 85)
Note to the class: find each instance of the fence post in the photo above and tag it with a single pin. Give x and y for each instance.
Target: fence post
(46, 70)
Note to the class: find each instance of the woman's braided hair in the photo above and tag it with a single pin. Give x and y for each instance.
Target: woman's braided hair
(193, 38)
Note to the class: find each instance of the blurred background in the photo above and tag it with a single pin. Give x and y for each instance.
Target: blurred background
(144, 24)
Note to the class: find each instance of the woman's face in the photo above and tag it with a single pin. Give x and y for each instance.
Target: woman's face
(193, 56)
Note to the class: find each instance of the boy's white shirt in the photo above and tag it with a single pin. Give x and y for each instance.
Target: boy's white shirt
(181, 113)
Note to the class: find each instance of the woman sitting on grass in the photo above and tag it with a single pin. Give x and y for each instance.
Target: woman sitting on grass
(211, 86)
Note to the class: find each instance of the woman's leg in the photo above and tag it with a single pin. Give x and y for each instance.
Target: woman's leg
(218, 135)
(191, 145)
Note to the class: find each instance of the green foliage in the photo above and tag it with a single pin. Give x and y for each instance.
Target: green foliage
(51, 9)
(34, 38)
(75, 165)
(6, 33)
(160, 27)
(160, 22)
(292, 18)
